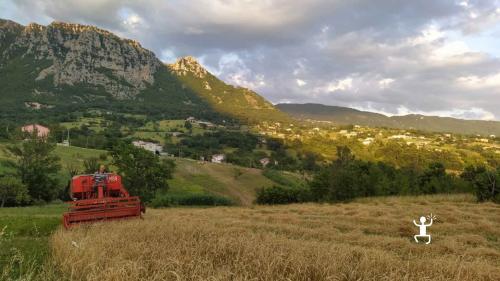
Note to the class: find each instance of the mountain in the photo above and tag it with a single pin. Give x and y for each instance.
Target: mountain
(65, 67)
(349, 116)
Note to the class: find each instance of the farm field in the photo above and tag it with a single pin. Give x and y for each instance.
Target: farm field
(369, 239)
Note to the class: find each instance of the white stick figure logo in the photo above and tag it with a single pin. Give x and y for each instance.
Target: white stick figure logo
(423, 228)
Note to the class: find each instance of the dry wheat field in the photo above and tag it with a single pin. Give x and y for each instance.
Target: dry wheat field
(369, 239)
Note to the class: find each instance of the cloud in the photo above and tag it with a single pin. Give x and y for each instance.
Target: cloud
(339, 85)
(420, 56)
(301, 82)
(385, 83)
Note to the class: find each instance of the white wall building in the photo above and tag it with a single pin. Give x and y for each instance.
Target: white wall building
(218, 158)
(149, 146)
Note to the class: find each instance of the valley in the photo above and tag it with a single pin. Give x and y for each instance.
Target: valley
(235, 187)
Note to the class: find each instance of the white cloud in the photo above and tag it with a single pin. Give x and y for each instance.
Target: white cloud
(450, 49)
(428, 35)
(339, 85)
(167, 56)
(234, 70)
(300, 82)
(470, 113)
(479, 82)
(473, 15)
(133, 21)
(385, 83)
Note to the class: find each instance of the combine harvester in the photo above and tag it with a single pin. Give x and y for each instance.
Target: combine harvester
(95, 200)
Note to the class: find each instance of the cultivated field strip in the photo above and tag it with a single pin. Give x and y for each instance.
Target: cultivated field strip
(365, 240)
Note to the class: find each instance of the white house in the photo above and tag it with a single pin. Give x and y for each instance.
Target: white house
(264, 162)
(149, 146)
(368, 141)
(403, 137)
(218, 158)
(206, 124)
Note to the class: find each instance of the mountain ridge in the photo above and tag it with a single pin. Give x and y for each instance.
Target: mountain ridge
(65, 64)
(350, 116)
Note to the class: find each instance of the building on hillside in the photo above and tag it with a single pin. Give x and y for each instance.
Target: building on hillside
(191, 119)
(368, 141)
(206, 124)
(218, 158)
(400, 137)
(264, 162)
(149, 146)
(40, 130)
(63, 143)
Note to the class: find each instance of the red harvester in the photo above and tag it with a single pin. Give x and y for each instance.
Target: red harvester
(106, 200)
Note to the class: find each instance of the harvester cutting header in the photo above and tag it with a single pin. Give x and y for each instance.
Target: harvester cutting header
(100, 197)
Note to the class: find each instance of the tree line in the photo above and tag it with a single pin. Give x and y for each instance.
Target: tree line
(348, 178)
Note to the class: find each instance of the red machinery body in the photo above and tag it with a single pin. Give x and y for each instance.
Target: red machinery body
(105, 200)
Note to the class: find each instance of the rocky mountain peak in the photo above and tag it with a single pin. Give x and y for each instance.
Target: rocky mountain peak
(186, 65)
(79, 53)
(9, 25)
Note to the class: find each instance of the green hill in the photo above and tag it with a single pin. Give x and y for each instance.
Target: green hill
(349, 116)
(191, 177)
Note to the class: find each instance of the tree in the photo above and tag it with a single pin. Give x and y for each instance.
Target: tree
(344, 155)
(486, 183)
(434, 179)
(309, 162)
(188, 126)
(90, 165)
(37, 167)
(143, 172)
(12, 190)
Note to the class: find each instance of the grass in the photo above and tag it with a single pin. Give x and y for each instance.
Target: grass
(72, 155)
(370, 239)
(94, 123)
(236, 183)
(24, 235)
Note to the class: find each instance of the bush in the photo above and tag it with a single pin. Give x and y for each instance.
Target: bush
(278, 177)
(190, 200)
(282, 195)
(485, 183)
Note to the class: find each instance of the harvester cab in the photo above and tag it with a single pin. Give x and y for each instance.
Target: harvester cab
(99, 199)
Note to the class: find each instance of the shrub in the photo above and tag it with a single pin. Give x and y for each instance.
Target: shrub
(278, 177)
(190, 200)
(282, 195)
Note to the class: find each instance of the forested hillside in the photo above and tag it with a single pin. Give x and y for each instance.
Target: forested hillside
(349, 116)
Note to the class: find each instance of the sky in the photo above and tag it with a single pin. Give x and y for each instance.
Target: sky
(389, 56)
